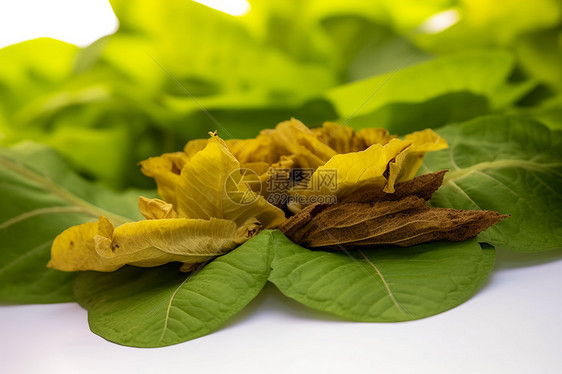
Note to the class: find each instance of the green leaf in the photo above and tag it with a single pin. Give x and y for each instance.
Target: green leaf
(540, 54)
(213, 55)
(24, 76)
(40, 197)
(382, 284)
(510, 165)
(480, 73)
(83, 114)
(549, 112)
(160, 306)
(403, 118)
(361, 44)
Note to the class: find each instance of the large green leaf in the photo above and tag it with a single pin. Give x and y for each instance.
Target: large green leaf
(160, 306)
(39, 198)
(540, 54)
(549, 112)
(82, 113)
(481, 73)
(403, 118)
(510, 165)
(212, 54)
(382, 284)
(24, 76)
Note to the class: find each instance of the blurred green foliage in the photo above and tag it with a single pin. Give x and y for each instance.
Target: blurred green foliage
(175, 70)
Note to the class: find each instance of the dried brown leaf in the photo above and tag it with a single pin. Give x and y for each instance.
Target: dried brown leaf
(423, 187)
(403, 222)
(292, 227)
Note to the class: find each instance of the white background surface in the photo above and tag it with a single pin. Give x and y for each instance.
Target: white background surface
(513, 325)
(78, 22)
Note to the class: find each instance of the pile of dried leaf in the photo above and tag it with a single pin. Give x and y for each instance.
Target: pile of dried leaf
(214, 199)
(375, 218)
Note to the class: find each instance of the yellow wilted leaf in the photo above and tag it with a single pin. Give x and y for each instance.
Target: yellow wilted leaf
(426, 140)
(292, 138)
(422, 142)
(75, 249)
(207, 183)
(340, 138)
(211, 185)
(214, 197)
(156, 208)
(101, 247)
(194, 146)
(270, 174)
(208, 209)
(165, 170)
(382, 165)
(374, 136)
(356, 170)
(343, 139)
(258, 149)
(260, 155)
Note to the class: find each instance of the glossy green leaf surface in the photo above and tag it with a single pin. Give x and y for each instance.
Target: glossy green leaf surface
(160, 306)
(510, 165)
(39, 198)
(382, 284)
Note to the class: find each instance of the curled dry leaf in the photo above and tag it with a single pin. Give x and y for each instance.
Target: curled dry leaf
(292, 228)
(404, 223)
(102, 247)
(379, 167)
(423, 187)
(375, 218)
(196, 221)
(213, 197)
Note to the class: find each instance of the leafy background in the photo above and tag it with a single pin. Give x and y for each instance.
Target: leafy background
(127, 96)
(75, 121)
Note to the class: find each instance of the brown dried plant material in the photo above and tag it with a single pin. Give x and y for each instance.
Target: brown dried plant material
(404, 223)
(375, 218)
(292, 227)
(423, 187)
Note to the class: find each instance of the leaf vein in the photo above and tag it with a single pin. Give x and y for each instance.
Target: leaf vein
(59, 191)
(385, 283)
(36, 212)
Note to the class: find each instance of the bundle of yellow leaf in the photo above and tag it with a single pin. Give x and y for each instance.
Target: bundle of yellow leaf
(208, 206)
(195, 222)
